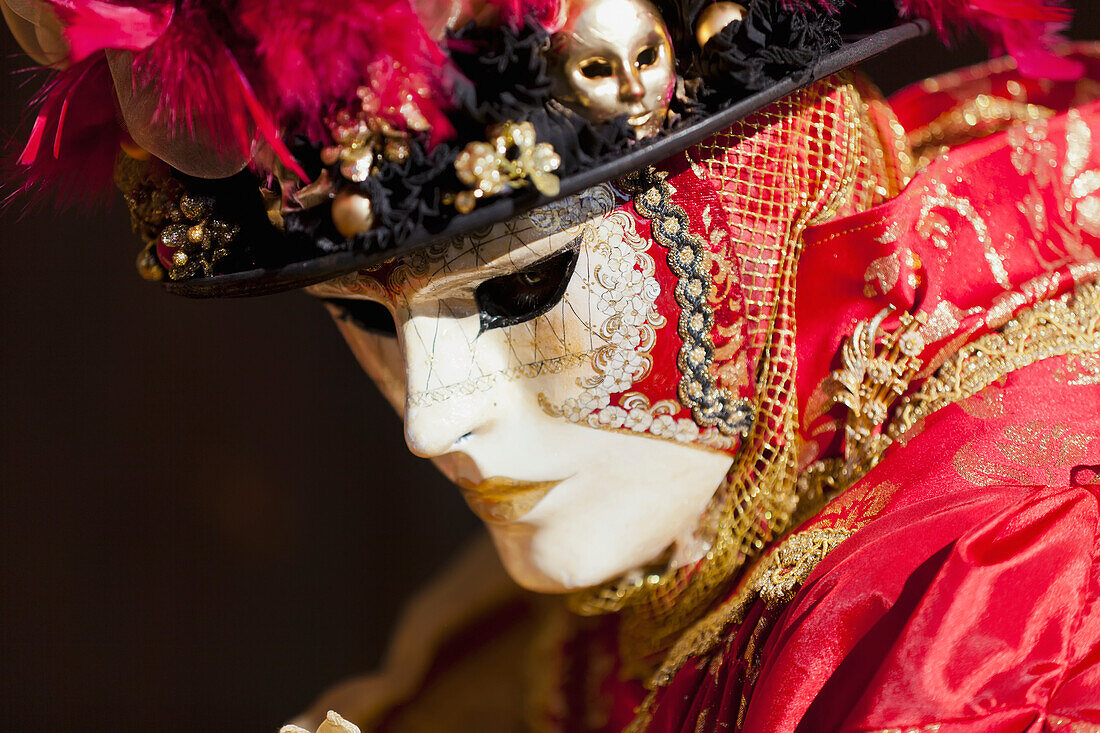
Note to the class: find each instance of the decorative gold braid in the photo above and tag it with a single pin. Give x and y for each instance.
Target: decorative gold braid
(808, 131)
(711, 405)
(876, 370)
(1065, 326)
(775, 579)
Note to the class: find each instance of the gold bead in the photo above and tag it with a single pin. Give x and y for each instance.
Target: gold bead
(352, 213)
(134, 151)
(714, 18)
(465, 202)
(149, 266)
(396, 151)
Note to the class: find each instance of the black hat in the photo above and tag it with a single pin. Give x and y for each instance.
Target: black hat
(268, 145)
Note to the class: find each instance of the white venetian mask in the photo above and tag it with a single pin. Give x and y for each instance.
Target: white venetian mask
(504, 351)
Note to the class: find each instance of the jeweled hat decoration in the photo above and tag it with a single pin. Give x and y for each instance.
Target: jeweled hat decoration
(267, 144)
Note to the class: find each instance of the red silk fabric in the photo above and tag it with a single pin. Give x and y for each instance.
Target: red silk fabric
(965, 602)
(967, 597)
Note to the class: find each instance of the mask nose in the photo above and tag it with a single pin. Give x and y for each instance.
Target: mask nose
(445, 402)
(434, 431)
(631, 90)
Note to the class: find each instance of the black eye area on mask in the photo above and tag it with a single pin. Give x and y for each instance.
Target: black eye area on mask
(364, 314)
(521, 296)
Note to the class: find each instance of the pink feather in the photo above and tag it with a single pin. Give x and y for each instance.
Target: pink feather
(1026, 29)
(811, 6)
(515, 12)
(75, 138)
(315, 54)
(94, 25)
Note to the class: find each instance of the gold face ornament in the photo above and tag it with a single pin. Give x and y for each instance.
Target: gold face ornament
(613, 58)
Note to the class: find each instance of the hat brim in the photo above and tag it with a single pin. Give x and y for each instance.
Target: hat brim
(308, 272)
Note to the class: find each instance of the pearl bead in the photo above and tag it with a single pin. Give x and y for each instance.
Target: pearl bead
(714, 18)
(352, 213)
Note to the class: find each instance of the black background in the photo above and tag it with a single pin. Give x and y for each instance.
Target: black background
(207, 514)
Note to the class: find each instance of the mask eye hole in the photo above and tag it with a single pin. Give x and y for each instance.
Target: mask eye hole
(366, 315)
(646, 58)
(596, 68)
(527, 294)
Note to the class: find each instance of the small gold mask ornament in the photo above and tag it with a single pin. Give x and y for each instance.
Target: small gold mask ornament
(612, 58)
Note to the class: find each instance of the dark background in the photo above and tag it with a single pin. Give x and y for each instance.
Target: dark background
(207, 514)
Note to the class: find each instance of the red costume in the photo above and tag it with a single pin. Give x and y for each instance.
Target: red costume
(955, 585)
(887, 314)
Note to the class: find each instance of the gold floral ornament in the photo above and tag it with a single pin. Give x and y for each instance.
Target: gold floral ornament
(333, 723)
(362, 138)
(877, 367)
(162, 212)
(511, 159)
(359, 139)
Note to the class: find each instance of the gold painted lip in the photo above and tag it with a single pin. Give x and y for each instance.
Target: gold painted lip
(640, 119)
(500, 499)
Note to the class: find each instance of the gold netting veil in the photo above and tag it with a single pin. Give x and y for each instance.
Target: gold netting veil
(798, 162)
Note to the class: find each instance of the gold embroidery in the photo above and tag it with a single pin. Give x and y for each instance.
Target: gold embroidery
(978, 117)
(877, 367)
(933, 227)
(989, 404)
(1083, 184)
(1022, 454)
(710, 404)
(1080, 370)
(1066, 325)
(793, 561)
(881, 275)
(773, 580)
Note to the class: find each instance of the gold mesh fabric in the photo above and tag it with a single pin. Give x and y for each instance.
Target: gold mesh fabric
(795, 163)
(886, 164)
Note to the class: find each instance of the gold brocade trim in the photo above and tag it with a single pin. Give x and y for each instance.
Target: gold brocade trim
(876, 369)
(773, 580)
(1069, 325)
(1065, 326)
(978, 117)
(711, 405)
